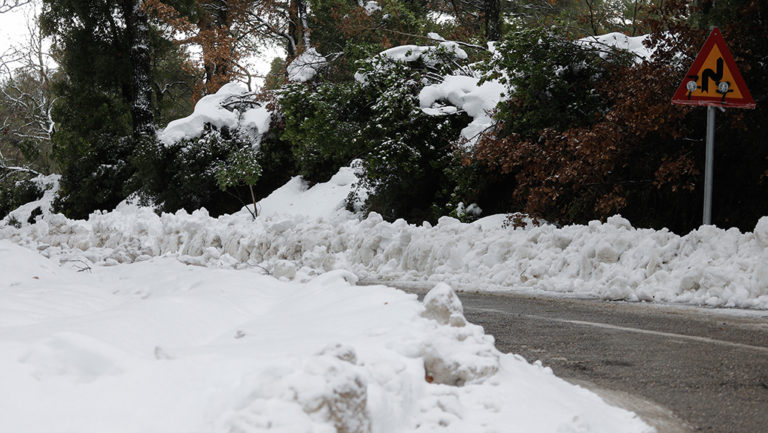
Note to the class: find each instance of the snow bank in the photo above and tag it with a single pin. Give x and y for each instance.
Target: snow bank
(158, 347)
(306, 66)
(327, 199)
(611, 260)
(211, 110)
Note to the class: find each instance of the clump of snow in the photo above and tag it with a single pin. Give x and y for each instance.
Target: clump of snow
(211, 110)
(441, 17)
(635, 45)
(443, 305)
(761, 231)
(459, 92)
(429, 54)
(411, 53)
(50, 186)
(304, 67)
(157, 346)
(255, 123)
(370, 6)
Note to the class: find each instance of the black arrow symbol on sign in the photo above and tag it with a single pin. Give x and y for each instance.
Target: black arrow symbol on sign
(708, 74)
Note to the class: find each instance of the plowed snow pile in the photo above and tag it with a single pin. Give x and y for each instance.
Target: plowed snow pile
(159, 346)
(304, 232)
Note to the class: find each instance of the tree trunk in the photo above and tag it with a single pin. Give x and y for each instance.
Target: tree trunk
(493, 20)
(137, 27)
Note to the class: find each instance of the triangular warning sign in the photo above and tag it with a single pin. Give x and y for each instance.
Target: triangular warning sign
(714, 78)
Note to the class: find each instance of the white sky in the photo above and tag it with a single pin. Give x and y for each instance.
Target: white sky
(13, 28)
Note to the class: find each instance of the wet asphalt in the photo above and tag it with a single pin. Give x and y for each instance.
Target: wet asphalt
(683, 369)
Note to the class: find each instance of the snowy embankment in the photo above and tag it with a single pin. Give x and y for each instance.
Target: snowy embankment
(611, 260)
(158, 346)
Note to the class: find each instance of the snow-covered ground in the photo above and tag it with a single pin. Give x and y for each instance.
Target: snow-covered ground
(160, 346)
(137, 322)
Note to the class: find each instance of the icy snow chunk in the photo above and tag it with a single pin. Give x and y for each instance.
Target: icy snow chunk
(306, 66)
(256, 122)
(411, 53)
(761, 231)
(619, 222)
(442, 362)
(284, 269)
(325, 394)
(606, 253)
(435, 36)
(405, 53)
(443, 305)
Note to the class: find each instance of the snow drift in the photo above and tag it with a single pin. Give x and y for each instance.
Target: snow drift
(158, 346)
(611, 260)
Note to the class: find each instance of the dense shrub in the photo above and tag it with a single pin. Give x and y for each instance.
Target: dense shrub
(407, 156)
(410, 155)
(322, 125)
(94, 172)
(14, 193)
(585, 136)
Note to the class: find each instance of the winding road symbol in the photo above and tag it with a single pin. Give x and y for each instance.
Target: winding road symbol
(714, 79)
(709, 74)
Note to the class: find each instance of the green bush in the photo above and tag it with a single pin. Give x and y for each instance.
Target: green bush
(14, 193)
(322, 125)
(214, 171)
(407, 156)
(94, 173)
(183, 175)
(553, 80)
(410, 155)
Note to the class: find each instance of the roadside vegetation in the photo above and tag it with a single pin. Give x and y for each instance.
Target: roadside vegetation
(584, 131)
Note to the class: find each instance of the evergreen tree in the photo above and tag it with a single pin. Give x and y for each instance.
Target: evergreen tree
(104, 102)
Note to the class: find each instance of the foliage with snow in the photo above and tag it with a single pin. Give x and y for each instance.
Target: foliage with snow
(221, 111)
(304, 67)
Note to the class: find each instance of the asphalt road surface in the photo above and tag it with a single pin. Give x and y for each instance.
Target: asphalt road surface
(682, 369)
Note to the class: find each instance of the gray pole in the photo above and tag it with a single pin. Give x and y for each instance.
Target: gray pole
(709, 165)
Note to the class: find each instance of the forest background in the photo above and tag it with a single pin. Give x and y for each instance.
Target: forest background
(586, 131)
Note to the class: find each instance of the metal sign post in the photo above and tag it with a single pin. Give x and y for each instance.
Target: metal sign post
(713, 81)
(709, 166)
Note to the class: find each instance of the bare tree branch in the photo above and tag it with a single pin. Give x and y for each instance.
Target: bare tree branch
(26, 124)
(7, 5)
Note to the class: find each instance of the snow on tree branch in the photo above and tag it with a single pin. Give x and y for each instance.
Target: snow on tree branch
(306, 66)
(7, 5)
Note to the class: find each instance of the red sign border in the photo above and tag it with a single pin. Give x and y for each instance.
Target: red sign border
(682, 97)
